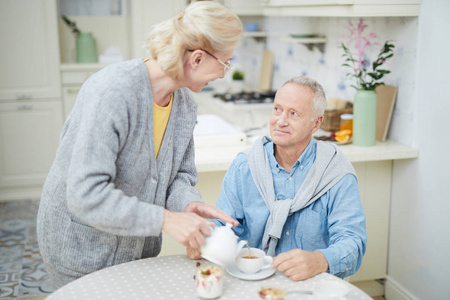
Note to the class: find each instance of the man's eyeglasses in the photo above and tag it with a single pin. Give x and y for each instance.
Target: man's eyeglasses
(226, 66)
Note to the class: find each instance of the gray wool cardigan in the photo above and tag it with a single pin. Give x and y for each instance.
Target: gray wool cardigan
(104, 198)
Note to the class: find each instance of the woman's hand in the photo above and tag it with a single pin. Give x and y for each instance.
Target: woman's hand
(186, 228)
(210, 212)
(193, 254)
(190, 227)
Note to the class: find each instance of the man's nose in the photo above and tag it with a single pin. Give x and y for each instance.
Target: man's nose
(282, 121)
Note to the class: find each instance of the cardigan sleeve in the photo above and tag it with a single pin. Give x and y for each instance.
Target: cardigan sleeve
(182, 191)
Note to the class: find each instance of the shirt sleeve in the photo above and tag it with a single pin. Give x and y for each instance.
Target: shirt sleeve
(230, 199)
(346, 228)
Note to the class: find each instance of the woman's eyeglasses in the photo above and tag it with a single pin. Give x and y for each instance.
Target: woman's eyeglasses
(226, 66)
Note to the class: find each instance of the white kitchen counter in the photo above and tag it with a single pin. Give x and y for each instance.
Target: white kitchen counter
(219, 158)
(243, 117)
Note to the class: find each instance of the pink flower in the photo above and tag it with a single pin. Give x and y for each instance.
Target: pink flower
(359, 62)
(361, 42)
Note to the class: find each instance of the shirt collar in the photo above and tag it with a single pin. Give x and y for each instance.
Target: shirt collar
(307, 155)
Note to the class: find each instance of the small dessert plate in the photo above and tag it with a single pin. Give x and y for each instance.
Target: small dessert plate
(234, 271)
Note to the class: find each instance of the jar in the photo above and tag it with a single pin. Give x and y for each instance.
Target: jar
(347, 122)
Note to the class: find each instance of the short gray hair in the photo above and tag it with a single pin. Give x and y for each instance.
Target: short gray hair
(320, 100)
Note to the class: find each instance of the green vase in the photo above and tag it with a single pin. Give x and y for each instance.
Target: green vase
(365, 118)
(86, 48)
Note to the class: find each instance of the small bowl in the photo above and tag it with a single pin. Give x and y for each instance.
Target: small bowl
(251, 27)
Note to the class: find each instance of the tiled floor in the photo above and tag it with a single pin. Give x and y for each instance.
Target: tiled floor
(22, 272)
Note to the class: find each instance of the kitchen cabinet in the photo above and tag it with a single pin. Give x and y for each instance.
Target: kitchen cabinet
(73, 76)
(245, 8)
(29, 137)
(146, 13)
(30, 96)
(342, 8)
(29, 54)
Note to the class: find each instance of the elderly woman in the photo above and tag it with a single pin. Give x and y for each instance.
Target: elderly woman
(124, 171)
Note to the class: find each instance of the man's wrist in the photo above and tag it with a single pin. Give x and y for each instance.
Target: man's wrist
(323, 263)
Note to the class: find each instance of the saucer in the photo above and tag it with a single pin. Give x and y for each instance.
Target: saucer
(234, 271)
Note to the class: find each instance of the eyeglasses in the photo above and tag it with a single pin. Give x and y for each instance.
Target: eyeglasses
(226, 66)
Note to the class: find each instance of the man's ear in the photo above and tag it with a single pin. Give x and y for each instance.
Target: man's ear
(317, 122)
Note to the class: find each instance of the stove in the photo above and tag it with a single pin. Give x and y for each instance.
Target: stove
(246, 97)
(246, 111)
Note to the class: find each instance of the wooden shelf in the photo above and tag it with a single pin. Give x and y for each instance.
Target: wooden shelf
(314, 40)
(309, 42)
(257, 35)
(254, 34)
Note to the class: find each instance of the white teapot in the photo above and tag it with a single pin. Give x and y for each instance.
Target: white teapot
(221, 246)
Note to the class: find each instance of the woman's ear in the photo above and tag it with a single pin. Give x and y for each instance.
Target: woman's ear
(196, 59)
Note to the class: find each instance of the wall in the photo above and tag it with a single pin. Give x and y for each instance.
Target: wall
(418, 261)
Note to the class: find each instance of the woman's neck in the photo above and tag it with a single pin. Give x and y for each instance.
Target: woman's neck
(162, 85)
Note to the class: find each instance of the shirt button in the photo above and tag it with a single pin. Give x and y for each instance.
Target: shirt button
(153, 180)
(346, 269)
(290, 178)
(287, 233)
(301, 166)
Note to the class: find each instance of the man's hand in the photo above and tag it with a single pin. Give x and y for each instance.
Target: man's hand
(299, 264)
(209, 212)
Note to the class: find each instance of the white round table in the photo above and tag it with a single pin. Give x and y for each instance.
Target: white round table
(172, 277)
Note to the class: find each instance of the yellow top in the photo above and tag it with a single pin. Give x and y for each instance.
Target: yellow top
(160, 118)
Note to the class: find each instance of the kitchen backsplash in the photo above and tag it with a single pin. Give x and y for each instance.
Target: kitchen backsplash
(292, 59)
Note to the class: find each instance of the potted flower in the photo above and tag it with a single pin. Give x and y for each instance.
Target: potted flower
(367, 79)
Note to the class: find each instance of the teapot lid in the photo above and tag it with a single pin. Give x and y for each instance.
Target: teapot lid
(227, 230)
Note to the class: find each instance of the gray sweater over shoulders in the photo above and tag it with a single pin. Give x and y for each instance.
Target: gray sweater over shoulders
(104, 198)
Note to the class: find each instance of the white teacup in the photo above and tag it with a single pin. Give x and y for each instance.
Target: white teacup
(330, 290)
(255, 262)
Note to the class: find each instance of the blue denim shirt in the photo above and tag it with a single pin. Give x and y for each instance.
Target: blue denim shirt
(334, 224)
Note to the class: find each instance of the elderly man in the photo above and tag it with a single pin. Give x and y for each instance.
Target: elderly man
(295, 198)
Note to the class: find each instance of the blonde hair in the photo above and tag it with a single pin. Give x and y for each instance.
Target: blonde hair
(204, 25)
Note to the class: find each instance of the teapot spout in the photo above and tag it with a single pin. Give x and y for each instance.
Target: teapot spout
(239, 246)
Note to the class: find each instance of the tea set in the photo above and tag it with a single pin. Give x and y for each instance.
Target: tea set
(222, 248)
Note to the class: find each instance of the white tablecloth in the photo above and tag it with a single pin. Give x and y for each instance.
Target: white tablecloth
(172, 277)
